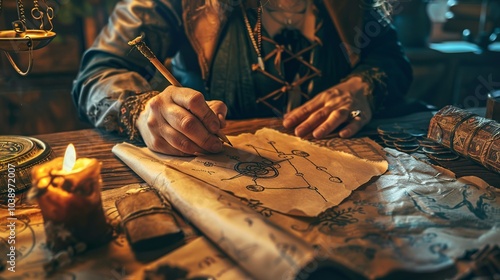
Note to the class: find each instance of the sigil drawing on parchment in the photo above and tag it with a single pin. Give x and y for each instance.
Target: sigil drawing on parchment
(263, 168)
(284, 173)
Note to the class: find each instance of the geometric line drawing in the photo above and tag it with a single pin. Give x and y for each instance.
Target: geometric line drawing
(263, 168)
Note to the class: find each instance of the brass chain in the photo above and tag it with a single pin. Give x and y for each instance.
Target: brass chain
(20, 8)
(36, 13)
(35, 5)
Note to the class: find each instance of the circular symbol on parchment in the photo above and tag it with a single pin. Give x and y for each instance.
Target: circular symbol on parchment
(256, 170)
(255, 188)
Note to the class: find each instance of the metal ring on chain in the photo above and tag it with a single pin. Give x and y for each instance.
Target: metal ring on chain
(50, 15)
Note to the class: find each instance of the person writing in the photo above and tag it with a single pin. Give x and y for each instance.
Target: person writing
(311, 62)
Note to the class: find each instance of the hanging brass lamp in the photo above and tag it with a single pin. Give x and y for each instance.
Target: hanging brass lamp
(27, 36)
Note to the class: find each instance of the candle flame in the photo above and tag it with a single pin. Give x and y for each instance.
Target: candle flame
(69, 158)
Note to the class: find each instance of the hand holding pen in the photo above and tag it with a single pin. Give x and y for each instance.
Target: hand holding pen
(179, 121)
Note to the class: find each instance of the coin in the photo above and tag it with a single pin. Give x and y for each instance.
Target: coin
(400, 136)
(389, 144)
(444, 157)
(416, 132)
(385, 137)
(426, 142)
(389, 129)
(438, 151)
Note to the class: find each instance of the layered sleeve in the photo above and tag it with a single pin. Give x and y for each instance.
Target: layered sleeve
(382, 62)
(113, 76)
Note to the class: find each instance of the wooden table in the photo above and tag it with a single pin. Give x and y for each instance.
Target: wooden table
(93, 143)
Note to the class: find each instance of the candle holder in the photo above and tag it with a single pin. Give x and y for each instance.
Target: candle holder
(71, 206)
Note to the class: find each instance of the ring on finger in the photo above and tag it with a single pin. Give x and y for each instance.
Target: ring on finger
(355, 113)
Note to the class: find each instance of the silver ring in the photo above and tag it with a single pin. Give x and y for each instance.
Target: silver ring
(354, 114)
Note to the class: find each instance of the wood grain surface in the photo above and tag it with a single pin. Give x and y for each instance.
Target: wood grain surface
(97, 144)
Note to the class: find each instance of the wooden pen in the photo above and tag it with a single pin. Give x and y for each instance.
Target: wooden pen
(146, 51)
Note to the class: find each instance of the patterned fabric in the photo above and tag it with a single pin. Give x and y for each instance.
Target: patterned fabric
(129, 112)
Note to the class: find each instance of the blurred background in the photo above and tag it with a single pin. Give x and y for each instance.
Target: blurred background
(454, 48)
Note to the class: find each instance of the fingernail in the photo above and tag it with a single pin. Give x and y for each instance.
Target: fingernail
(220, 117)
(286, 123)
(344, 133)
(299, 132)
(318, 133)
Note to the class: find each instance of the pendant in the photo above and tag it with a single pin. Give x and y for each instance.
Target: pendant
(260, 61)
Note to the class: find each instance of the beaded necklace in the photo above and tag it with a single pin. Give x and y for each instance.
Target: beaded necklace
(256, 43)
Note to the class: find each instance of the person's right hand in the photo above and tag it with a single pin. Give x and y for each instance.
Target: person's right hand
(179, 121)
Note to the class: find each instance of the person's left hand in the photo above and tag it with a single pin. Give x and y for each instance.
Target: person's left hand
(328, 110)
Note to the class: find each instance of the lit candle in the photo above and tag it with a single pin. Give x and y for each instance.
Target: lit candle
(68, 191)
